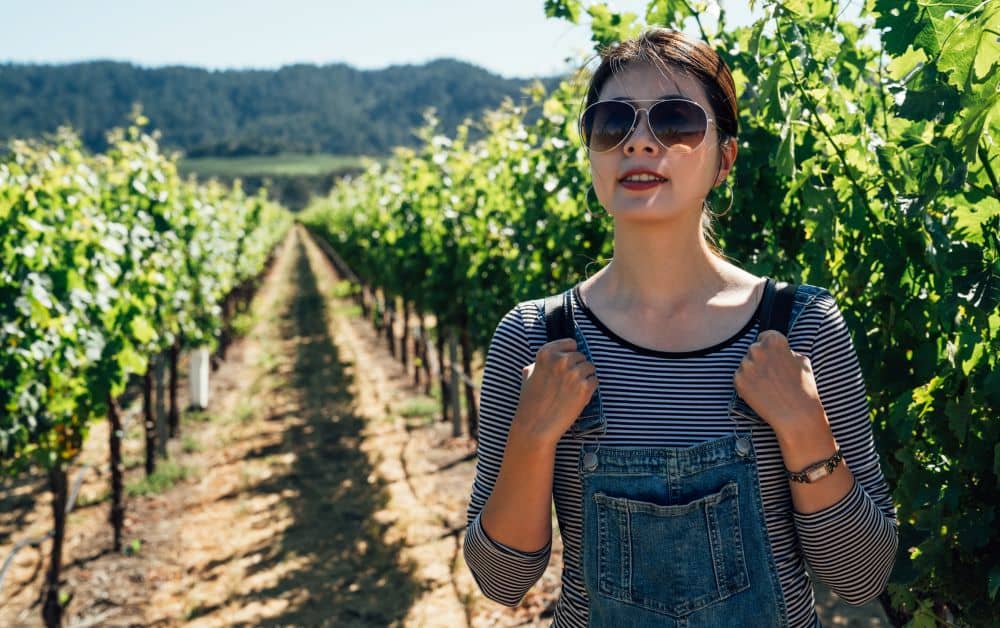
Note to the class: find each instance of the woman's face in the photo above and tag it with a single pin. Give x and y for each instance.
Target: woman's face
(690, 174)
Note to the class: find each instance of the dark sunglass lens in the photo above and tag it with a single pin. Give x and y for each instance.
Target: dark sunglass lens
(678, 124)
(605, 124)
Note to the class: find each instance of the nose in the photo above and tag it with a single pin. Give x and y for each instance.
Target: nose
(641, 137)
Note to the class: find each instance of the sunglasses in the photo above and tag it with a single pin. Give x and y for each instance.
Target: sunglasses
(676, 123)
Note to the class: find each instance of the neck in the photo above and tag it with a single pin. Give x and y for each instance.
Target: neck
(660, 268)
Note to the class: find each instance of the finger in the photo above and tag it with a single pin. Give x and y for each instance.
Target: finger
(573, 360)
(577, 357)
(564, 343)
(772, 336)
(587, 367)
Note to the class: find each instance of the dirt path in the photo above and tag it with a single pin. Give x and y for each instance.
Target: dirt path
(308, 499)
(320, 490)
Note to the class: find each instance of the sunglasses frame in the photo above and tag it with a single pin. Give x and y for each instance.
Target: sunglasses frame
(635, 121)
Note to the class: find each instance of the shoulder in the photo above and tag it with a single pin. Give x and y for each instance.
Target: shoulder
(521, 330)
(814, 313)
(525, 323)
(812, 300)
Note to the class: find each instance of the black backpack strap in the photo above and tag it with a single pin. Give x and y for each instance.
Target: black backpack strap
(558, 316)
(776, 309)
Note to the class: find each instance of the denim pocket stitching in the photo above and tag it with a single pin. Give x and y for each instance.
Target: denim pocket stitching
(604, 583)
(741, 576)
(722, 545)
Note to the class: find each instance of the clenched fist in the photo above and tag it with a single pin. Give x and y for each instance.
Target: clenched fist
(778, 383)
(554, 390)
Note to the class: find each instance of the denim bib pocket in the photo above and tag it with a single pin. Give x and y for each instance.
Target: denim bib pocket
(671, 559)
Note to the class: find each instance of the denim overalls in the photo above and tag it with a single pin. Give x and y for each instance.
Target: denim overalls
(675, 536)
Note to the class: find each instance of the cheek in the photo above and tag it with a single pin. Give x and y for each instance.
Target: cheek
(604, 175)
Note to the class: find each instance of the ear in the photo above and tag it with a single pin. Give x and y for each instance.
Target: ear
(727, 156)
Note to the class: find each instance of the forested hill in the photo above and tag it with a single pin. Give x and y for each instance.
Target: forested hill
(299, 108)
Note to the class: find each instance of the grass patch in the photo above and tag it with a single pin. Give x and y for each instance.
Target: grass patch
(89, 500)
(265, 384)
(190, 444)
(243, 412)
(346, 309)
(268, 361)
(344, 288)
(197, 416)
(133, 548)
(166, 475)
(242, 323)
(419, 407)
(134, 429)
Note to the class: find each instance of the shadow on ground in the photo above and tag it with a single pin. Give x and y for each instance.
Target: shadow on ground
(336, 569)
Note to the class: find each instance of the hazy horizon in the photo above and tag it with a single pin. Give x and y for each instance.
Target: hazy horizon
(518, 42)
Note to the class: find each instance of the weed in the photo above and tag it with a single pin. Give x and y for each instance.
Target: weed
(344, 288)
(243, 323)
(132, 549)
(166, 475)
(85, 500)
(190, 444)
(419, 407)
(350, 310)
(244, 412)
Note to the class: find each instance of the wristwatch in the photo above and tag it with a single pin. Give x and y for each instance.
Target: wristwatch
(815, 471)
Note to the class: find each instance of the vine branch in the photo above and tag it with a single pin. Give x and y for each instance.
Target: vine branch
(822, 127)
(985, 158)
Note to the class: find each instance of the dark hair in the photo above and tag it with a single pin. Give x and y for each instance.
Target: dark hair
(668, 49)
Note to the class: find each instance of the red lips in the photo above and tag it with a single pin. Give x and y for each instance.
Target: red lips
(629, 173)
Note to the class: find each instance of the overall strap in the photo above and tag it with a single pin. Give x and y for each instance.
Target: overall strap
(559, 317)
(776, 310)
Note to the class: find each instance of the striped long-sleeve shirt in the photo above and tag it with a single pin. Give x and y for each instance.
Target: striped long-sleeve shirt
(677, 399)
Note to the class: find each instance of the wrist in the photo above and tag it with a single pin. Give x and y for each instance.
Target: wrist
(806, 443)
(523, 439)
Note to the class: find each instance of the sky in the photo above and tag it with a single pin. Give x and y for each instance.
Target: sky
(512, 38)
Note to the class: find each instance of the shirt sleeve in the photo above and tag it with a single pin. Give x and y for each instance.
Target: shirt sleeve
(850, 545)
(503, 574)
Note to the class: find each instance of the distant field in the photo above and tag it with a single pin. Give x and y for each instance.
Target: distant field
(285, 164)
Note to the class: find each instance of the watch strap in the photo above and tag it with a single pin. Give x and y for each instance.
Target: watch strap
(816, 470)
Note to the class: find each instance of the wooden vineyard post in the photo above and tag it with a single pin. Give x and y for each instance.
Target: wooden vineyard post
(456, 406)
(148, 419)
(441, 374)
(52, 609)
(376, 320)
(390, 323)
(403, 349)
(117, 514)
(470, 389)
(426, 355)
(418, 349)
(161, 407)
(175, 427)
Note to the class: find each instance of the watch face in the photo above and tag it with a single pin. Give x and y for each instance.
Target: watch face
(815, 474)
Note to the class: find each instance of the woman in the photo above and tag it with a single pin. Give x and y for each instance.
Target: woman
(680, 510)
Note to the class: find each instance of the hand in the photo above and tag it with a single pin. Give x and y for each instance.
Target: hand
(778, 384)
(554, 390)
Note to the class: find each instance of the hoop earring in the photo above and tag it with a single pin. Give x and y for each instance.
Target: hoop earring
(586, 200)
(732, 197)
